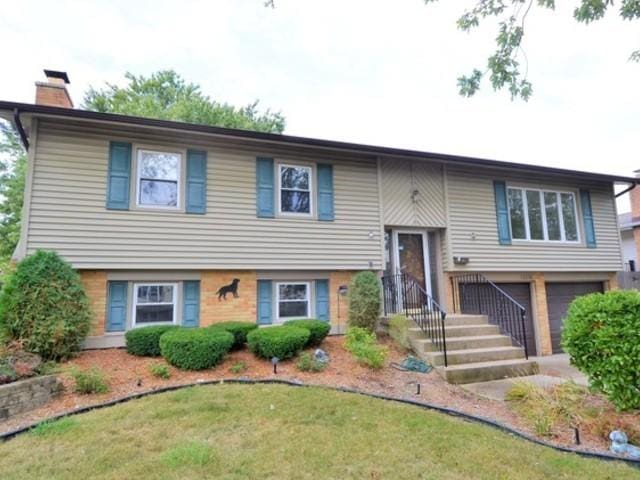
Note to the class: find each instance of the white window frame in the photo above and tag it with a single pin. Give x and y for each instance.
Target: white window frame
(135, 304)
(545, 233)
(279, 173)
(139, 153)
(308, 299)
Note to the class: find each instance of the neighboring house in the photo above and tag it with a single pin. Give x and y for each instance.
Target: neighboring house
(159, 216)
(627, 237)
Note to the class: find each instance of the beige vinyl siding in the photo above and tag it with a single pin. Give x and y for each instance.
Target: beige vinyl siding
(68, 211)
(399, 179)
(473, 229)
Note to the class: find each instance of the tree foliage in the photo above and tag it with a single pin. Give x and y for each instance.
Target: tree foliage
(13, 166)
(166, 95)
(507, 66)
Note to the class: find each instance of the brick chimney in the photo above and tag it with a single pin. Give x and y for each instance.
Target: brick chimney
(634, 198)
(54, 91)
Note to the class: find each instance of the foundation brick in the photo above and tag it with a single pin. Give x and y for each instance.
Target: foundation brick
(542, 313)
(339, 305)
(242, 308)
(95, 286)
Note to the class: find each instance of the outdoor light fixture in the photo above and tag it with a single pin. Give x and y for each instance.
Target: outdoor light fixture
(343, 290)
(460, 260)
(275, 361)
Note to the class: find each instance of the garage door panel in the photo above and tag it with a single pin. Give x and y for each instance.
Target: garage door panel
(559, 297)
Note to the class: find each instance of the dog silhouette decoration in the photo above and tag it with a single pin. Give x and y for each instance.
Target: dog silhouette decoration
(231, 288)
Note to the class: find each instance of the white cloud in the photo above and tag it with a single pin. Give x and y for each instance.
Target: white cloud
(373, 71)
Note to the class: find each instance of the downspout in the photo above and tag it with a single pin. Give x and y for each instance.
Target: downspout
(633, 185)
(18, 124)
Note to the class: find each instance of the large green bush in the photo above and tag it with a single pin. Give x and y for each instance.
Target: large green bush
(602, 336)
(195, 348)
(282, 342)
(239, 330)
(43, 305)
(145, 341)
(318, 330)
(364, 301)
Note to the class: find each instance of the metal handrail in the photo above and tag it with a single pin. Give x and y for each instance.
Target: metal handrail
(473, 293)
(403, 294)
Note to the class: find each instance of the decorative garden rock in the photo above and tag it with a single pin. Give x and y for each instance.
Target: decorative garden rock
(620, 445)
(321, 356)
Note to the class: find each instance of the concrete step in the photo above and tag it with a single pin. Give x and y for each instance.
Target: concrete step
(457, 319)
(475, 355)
(486, 371)
(461, 343)
(470, 330)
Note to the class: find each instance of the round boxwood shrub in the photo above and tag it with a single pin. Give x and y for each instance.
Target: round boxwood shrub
(44, 306)
(145, 341)
(602, 336)
(364, 301)
(195, 348)
(238, 329)
(318, 330)
(283, 341)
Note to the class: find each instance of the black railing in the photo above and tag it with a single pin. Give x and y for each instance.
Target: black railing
(402, 294)
(473, 293)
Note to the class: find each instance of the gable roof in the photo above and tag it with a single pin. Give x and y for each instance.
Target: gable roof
(14, 109)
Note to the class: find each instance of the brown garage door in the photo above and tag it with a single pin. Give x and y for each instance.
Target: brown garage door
(559, 296)
(521, 293)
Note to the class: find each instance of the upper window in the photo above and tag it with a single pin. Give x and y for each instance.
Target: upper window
(154, 303)
(295, 189)
(158, 179)
(543, 215)
(293, 300)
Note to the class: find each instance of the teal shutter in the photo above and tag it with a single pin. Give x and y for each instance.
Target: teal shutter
(322, 300)
(502, 212)
(264, 187)
(325, 192)
(191, 303)
(118, 176)
(196, 194)
(265, 295)
(587, 218)
(116, 307)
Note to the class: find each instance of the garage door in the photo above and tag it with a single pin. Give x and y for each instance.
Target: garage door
(521, 293)
(559, 296)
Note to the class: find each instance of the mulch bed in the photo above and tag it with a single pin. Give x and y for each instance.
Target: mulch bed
(128, 374)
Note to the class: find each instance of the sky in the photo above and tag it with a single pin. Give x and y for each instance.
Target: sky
(379, 72)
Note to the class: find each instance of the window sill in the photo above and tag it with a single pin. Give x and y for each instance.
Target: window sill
(547, 243)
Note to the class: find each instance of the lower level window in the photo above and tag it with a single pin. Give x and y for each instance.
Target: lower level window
(293, 300)
(154, 303)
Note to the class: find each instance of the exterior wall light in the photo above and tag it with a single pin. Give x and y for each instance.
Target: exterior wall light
(460, 260)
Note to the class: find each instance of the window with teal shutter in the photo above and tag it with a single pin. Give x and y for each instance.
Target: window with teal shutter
(264, 187)
(502, 212)
(587, 218)
(265, 296)
(191, 303)
(325, 192)
(119, 175)
(116, 307)
(322, 300)
(196, 191)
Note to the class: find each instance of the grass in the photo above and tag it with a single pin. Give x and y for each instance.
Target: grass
(274, 431)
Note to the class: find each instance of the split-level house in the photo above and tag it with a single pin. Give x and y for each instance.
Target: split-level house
(170, 222)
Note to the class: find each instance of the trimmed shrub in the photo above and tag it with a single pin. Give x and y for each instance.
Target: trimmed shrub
(195, 348)
(602, 336)
(362, 343)
(239, 330)
(43, 305)
(308, 363)
(399, 331)
(145, 341)
(364, 301)
(283, 341)
(89, 381)
(318, 330)
(159, 370)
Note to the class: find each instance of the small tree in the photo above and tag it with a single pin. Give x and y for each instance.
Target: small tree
(364, 301)
(602, 336)
(43, 305)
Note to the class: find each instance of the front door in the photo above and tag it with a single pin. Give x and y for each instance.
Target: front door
(411, 257)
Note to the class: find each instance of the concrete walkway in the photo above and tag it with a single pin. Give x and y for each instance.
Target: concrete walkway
(554, 369)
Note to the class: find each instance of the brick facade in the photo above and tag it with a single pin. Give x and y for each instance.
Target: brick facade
(95, 286)
(339, 305)
(541, 318)
(242, 308)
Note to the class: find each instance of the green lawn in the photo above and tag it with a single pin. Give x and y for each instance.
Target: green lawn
(272, 431)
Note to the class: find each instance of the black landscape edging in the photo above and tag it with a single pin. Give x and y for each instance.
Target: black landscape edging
(428, 406)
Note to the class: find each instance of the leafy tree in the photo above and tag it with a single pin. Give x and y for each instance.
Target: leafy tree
(13, 166)
(166, 95)
(504, 66)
